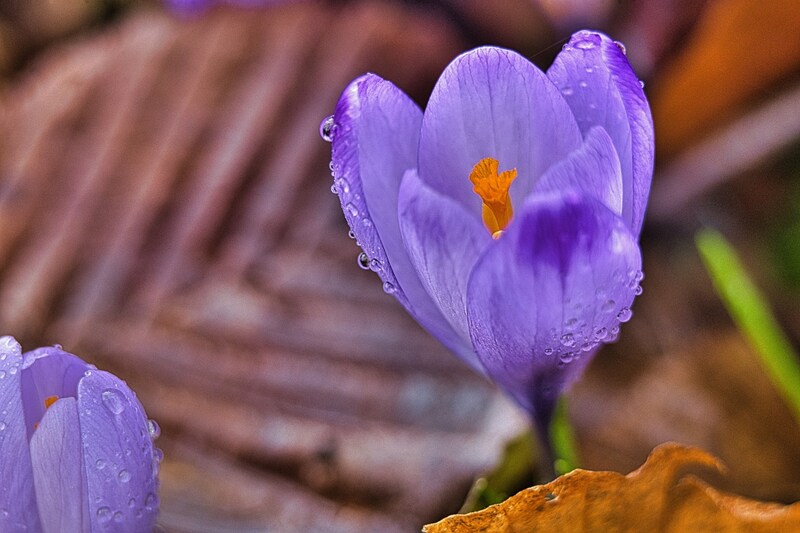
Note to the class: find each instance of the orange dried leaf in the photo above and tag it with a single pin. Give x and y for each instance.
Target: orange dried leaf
(659, 496)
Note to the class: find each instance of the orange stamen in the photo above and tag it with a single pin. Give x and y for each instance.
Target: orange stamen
(493, 190)
(50, 400)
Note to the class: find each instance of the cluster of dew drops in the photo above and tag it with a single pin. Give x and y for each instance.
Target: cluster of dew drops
(577, 338)
(327, 130)
(114, 402)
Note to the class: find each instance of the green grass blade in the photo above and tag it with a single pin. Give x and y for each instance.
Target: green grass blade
(751, 313)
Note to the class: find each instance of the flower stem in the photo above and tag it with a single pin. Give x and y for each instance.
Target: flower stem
(751, 313)
(562, 440)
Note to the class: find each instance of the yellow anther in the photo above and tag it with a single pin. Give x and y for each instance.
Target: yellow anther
(493, 187)
(50, 400)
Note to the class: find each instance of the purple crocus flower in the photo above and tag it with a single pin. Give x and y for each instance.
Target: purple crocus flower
(506, 217)
(76, 450)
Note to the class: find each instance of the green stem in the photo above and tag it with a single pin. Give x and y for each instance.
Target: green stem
(751, 313)
(562, 440)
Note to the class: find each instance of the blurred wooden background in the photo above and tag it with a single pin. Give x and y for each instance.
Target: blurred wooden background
(165, 213)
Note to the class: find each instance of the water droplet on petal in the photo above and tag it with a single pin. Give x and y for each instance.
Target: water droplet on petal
(567, 357)
(326, 128)
(114, 401)
(2, 374)
(375, 265)
(352, 210)
(132, 503)
(104, 514)
(334, 190)
(583, 84)
(638, 290)
(118, 517)
(158, 455)
(153, 429)
(641, 84)
(150, 501)
(388, 288)
(363, 261)
(608, 306)
(567, 91)
(100, 464)
(601, 334)
(624, 314)
(124, 476)
(584, 45)
(568, 340)
(2, 426)
(548, 351)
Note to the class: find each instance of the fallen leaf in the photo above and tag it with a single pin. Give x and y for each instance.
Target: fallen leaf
(659, 496)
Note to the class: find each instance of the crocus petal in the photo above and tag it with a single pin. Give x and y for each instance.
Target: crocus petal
(118, 455)
(18, 510)
(374, 142)
(58, 471)
(544, 295)
(492, 102)
(593, 169)
(444, 242)
(602, 89)
(49, 371)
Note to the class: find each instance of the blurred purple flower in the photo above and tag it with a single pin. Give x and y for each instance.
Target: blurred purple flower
(506, 217)
(196, 6)
(76, 450)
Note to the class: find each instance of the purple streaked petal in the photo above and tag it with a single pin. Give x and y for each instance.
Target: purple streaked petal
(118, 454)
(374, 142)
(602, 89)
(492, 102)
(444, 241)
(593, 169)
(58, 470)
(547, 292)
(17, 493)
(49, 371)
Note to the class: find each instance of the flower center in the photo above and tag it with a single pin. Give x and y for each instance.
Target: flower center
(493, 190)
(50, 400)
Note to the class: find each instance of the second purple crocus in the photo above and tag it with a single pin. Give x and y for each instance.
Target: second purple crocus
(505, 217)
(76, 449)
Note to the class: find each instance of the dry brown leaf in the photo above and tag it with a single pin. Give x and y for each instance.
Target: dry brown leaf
(659, 496)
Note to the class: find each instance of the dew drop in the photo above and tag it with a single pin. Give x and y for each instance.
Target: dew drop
(132, 503)
(104, 514)
(583, 84)
(601, 333)
(621, 47)
(326, 128)
(567, 91)
(118, 517)
(641, 84)
(567, 357)
(114, 401)
(367, 223)
(388, 288)
(158, 455)
(330, 166)
(352, 210)
(624, 314)
(124, 476)
(153, 429)
(548, 351)
(12, 370)
(351, 234)
(589, 70)
(100, 464)
(374, 265)
(586, 346)
(363, 261)
(638, 290)
(2, 374)
(608, 306)
(2, 426)
(584, 45)
(568, 340)
(150, 501)
(334, 190)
